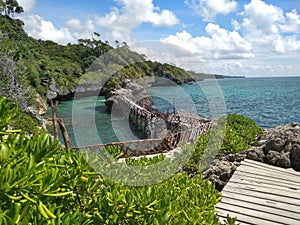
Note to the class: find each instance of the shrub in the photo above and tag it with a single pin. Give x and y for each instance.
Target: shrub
(240, 133)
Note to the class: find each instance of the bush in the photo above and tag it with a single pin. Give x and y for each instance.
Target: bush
(240, 133)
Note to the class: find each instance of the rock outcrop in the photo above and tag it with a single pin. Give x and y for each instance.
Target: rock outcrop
(133, 91)
(82, 90)
(278, 146)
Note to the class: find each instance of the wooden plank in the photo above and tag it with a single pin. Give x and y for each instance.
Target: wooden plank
(254, 212)
(266, 202)
(269, 175)
(260, 177)
(273, 168)
(284, 195)
(270, 171)
(242, 176)
(246, 219)
(262, 195)
(261, 207)
(263, 183)
(223, 218)
(266, 168)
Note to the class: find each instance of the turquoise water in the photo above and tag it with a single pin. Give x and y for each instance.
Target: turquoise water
(268, 101)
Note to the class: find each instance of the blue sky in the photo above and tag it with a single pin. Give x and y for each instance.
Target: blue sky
(233, 37)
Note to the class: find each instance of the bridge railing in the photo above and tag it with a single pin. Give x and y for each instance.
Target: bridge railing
(194, 127)
(153, 146)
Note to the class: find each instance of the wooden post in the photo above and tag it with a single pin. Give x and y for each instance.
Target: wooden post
(67, 140)
(174, 106)
(54, 119)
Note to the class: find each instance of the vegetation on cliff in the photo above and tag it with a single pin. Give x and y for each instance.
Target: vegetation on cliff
(34, 65)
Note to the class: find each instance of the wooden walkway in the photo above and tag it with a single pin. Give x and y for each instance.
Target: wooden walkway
(262, 194)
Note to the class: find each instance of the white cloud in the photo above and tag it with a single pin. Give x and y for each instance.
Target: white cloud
(254, 67)
(132, 13)
(40, 28)
(286, 44)
(292, 24)
(169, 53)
(209, 9)
(261, 20)
(75, 25)
(264, 26)
(27, 5)
(219, 44)
(236, 25)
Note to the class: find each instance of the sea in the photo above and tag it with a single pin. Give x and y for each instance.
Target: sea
(268, 101)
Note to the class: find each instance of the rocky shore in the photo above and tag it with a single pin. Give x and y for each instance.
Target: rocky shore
(279, 146)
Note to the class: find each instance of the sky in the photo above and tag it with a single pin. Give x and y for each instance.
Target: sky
(252, 38)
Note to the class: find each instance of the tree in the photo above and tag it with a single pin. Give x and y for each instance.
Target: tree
(117, 43)
(10, 7)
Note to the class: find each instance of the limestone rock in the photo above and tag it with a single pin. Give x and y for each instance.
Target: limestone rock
(133, 91)
(295, 156)
(280, 146)
(256, 153)
(41, 106)
(222, 169)
(278, 159)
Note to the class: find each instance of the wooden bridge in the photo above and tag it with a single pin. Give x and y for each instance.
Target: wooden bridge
(193, 127)
(261, 194)
(153, 146)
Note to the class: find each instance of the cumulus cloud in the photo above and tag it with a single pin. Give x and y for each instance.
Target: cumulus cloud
(219, 44)
(261, 20)
(209, 9)
(40, 28)
(292, 24)
(75, 25)
(132, 13)
(264, 24)
(169, 53)
(286, 44)
(27, 5)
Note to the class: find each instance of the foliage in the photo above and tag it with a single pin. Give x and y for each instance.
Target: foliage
(8, 111)
(26, 123)
(144, 161)
(15, 118)
(114, 152)
(239, 134)
(41, 184)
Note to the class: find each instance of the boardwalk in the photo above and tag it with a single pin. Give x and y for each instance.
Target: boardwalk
(262, 194)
